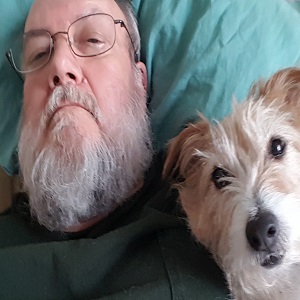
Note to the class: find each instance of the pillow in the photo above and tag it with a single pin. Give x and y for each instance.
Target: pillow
(198, 53)
(13, 15)
(201, 53)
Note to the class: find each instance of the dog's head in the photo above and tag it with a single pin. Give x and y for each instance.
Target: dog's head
(239, 180)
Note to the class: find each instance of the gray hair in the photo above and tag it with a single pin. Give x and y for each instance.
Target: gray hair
(126, 7)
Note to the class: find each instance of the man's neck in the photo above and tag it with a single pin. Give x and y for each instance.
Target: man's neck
(89, 223)
(86, 224)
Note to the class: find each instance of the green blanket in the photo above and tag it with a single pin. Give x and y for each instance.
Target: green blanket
(142, 251)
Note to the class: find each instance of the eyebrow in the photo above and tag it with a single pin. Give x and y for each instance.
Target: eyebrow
(91, 11)
(34, 33)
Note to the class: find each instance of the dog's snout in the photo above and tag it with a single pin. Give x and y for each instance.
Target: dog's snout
(262, 232)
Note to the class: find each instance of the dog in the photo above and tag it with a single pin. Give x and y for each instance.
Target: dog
(239, 185)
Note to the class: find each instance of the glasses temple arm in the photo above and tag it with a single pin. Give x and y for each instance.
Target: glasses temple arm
(122, 24)
(9, 58)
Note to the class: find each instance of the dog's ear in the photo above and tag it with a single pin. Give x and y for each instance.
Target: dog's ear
(181, 157)
(283, 85)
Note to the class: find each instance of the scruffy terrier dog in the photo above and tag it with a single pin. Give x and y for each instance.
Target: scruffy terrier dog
(239, 184)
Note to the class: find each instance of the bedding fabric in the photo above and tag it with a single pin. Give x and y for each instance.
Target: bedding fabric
(141, 251)
(199, 53)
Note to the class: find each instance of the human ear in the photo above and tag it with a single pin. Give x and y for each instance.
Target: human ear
(143, 71)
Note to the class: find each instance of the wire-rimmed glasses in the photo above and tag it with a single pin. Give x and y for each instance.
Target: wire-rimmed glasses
(88, 36)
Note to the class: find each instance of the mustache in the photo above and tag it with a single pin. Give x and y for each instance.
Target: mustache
(70, 95)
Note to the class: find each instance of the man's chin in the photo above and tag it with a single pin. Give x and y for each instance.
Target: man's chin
(74, 120)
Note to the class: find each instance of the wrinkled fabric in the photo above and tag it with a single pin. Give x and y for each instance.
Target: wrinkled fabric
(141, 251)
(201, 53)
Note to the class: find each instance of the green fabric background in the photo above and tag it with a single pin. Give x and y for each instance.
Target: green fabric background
(150, 259)
(143, 250)
(200, 53)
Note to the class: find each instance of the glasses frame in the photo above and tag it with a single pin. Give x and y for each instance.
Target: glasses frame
(9, 54)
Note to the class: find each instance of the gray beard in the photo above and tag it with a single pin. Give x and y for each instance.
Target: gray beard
(74, 179)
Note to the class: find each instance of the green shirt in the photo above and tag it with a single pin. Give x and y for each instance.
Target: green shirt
(141, 251)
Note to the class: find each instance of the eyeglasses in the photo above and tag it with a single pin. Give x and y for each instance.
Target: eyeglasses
(88, 36)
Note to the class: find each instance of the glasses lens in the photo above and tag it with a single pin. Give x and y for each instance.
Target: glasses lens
(36, 50)
(32, 51)
(92, 35)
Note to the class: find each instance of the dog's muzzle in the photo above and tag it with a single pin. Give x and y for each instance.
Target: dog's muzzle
(262, 233)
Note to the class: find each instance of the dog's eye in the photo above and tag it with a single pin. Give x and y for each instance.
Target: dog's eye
(277, 147)
(218, 177)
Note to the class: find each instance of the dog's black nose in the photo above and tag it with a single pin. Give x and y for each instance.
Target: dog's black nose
(262, 232)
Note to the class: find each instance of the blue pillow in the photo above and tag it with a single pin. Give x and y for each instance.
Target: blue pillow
(198, 53)
(13, 15)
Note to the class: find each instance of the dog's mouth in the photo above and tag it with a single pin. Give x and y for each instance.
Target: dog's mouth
(271, 260)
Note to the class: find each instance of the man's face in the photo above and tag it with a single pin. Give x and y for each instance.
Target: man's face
(102, 76)
(85, 139)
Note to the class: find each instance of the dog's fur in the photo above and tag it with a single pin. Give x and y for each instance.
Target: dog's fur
(257, 148)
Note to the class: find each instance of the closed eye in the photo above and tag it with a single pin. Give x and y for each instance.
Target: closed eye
(38, 55)
(94, 41)
(219, 176)
(89, 43)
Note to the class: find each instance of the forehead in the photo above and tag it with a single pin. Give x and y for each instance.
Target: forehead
(59, 14)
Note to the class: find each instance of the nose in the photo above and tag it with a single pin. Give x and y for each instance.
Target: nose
(262, 232)
(64, 66)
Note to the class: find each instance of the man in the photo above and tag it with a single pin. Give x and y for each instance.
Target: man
(85, 132)
(85, 152)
